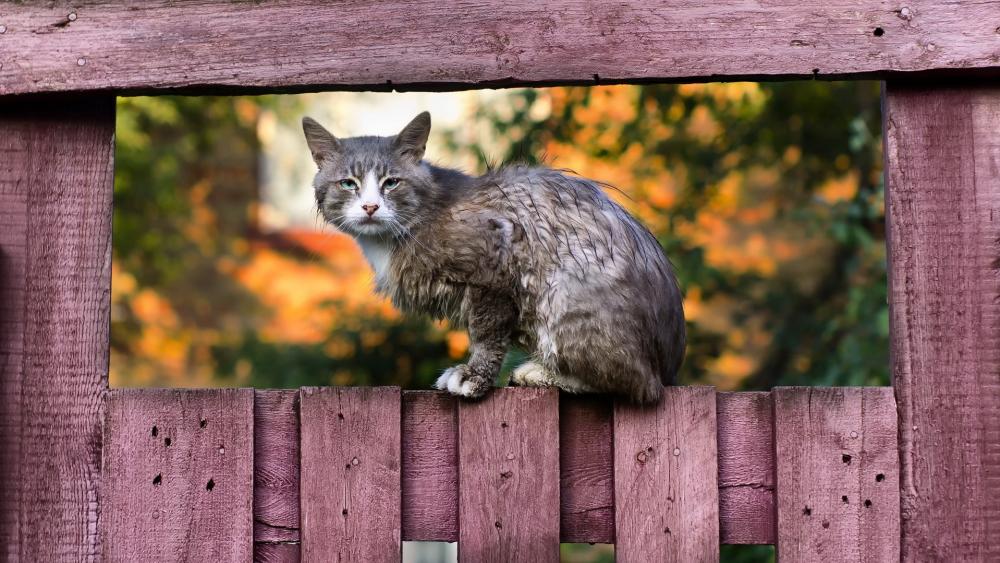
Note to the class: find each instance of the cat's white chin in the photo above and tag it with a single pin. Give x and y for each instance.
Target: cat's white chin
(369, 229)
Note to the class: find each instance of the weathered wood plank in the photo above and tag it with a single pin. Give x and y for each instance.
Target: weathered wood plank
(311, 44)
(666, 487)
(350, 474)
(281, 552)
(178, 475)
(943, 214)
(55, 264)
(509, 474)
(746, 468)
(276, 475)
(430, 466)
(837, 474)
(586, 465)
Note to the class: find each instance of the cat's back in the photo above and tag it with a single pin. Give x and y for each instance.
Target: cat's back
(568, 222)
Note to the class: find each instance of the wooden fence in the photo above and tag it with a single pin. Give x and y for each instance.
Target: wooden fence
(217, 485)
(326, 474)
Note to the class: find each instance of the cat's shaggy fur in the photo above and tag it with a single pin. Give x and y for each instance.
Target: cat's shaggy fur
(524, 255)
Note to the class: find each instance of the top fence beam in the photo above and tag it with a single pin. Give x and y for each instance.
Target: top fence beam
(161, 46)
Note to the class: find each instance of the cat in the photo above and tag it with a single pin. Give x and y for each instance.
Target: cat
(521, 255)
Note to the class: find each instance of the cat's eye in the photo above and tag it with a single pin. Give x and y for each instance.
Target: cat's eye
(390, 183)
(348, 184)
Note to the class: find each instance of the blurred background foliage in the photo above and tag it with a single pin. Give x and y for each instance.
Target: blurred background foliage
(767, 197)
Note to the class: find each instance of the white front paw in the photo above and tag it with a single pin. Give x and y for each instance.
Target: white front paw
(455, 382)
(442, 382)
(451, 380)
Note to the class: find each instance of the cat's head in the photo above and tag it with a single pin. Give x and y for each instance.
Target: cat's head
(372, 186)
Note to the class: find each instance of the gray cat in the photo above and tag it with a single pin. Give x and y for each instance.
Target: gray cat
(523, 255)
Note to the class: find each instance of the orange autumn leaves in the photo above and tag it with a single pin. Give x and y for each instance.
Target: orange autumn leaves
(739, 226)
(308, 287)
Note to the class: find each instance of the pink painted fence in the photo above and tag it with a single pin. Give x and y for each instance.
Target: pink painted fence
(347, 474)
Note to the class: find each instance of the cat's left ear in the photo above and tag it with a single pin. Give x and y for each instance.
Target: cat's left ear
(412, 140)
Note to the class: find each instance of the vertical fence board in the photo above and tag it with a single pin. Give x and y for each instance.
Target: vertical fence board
(276, 476)
(509, 477)
(55, 265)
(183, 491)
(832, 444)
(15, 173)
(746, 468)
(666, 478)
(430, 466)
(586, 465)
(880, 518)
(943, 215)
(350, 474)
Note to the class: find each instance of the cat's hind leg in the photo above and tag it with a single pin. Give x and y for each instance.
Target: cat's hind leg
(534, 374)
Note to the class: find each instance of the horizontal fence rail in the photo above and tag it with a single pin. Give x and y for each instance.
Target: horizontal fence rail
(164, 46)
(351, 472)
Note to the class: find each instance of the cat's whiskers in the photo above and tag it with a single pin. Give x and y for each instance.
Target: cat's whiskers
(401, 229)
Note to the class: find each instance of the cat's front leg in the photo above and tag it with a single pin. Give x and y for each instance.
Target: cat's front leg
(491, 318)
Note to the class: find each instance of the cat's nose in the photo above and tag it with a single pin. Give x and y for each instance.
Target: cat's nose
(370, 208)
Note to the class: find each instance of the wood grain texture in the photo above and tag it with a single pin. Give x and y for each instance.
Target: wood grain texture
(276, 475)
(746, 468)
(178, 475)
(350, 474)
(430, 466)
(280, 552)
(430, 474)
(837, 474)
(55, 265)
(586, 465)
(509, 477)
(943, 214)
(666, 478)
(311, 44)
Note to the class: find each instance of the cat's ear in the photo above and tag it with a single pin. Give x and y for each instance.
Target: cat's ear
(322, 143)
(412, 140)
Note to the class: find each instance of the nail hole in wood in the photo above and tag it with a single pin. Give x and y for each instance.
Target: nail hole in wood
(344, 512)
(203, 423)
(807, 511)
(158, 479)
(210, 485)
(167, 441)
(879, 32)
(503, 425)
(155, 431)
(340, 416)
(845, 500)
(826, 524)
(868, 503)
(846, 458)
(880, 477)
